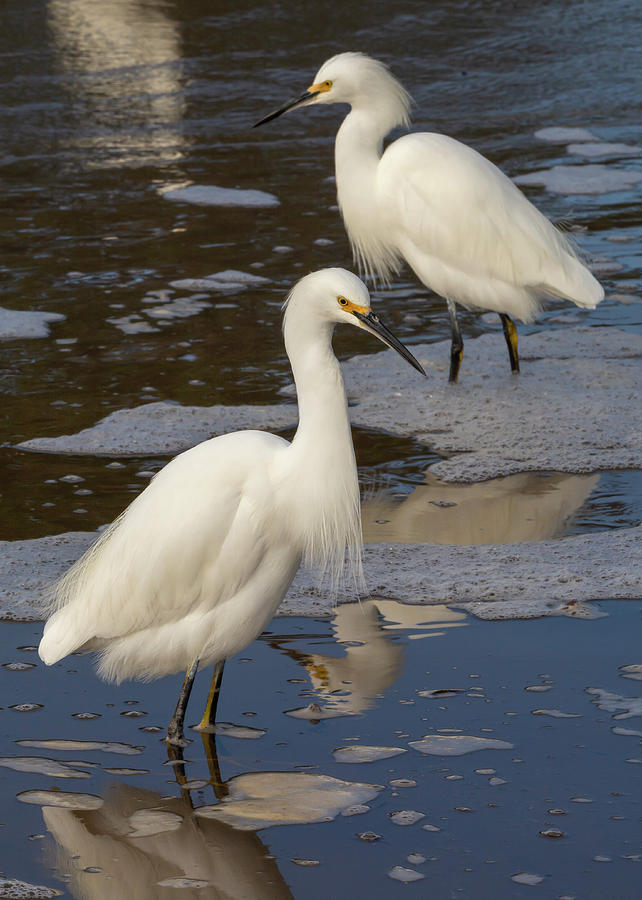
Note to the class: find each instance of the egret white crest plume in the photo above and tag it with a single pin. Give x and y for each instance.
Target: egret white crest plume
(464, 228)
(197, 565)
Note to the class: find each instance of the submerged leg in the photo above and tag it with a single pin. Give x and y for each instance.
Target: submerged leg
(175, 731)
(510, 333)
(209, 716)
(457, 343)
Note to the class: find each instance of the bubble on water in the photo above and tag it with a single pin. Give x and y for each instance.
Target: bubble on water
(406, 816)
(72, 479)
(181, 881)
(357, 810)
(401, 873)
(602, 859)
(92, 870)
(456, 744)
(299, 861)
(315, 712)
(402, 782)
(581, 800)
(634, 760)
(555, 714)
(368, 836)
(634, 672)
(18, 666)
(556, 812)
(228, 729)
(416, 859)
(262, 799)
(538, 688)
(365, 754)
(133, 713)
(612, 702)
(146, 822)
(454, 777)
(560, 135)
(26, 707)
(65, 744)
(551, 833)
(282, 248)
(527, 878)
(429, 827)
(151, 729)
(485, 771)
(495, 781)
(86, 715)
(40, 765)
(28, 648)
(62, 799)
(438, 693)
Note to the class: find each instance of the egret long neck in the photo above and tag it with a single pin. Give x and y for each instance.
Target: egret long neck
(323, 436)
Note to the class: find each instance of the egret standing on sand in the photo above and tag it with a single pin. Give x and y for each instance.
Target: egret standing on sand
(197, 565)
(464, 228)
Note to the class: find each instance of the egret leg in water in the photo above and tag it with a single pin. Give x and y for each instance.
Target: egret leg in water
(462, 226)
(197, 565)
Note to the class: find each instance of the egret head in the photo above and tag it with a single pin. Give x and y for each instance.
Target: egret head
(335, 297)
(358, 80)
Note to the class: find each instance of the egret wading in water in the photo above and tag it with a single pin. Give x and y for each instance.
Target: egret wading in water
(464, 228)
(196, 566)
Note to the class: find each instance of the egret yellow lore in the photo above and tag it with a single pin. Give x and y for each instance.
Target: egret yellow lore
(464, 228)
(194, 569)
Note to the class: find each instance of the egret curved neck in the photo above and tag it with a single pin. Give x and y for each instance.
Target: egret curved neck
(357, 152)
(323, 434)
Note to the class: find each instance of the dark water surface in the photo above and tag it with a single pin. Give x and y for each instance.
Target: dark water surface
(103, 106)
(574, 767)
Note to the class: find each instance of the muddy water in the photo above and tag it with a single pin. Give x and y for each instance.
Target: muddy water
(103, 106)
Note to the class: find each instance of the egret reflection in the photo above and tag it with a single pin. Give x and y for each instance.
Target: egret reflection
(526, 507)
(372, 657)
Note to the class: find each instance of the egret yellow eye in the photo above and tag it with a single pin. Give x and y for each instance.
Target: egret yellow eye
(342, 301)
(327, 84)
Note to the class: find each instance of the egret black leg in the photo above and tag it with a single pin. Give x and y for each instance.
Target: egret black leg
(510, 333)
(175, 733)
(209, 716)
(457, 343)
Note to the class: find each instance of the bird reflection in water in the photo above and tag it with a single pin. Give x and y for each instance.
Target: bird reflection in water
(373, 658)
(143, 844)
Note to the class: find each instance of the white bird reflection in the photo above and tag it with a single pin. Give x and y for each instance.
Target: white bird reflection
(144, 845)
(122, 62)
(526, 507)
(373, 658)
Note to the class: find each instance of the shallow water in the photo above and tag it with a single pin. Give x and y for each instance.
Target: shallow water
(103, 107)
(545, 780)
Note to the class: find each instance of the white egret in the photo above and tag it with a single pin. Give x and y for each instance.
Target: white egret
(464, 228)
(197, 565)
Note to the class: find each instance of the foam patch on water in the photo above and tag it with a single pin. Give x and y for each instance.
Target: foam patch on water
(40, 765)
(65, 744)
(560, 135)
(504, 581)
(570, 410)
(316, 713)
(61, 799)
(211, 195)
(17, 323)
(621, 707)
(603, 149)
(146, 822)
(456, 744)
(11, 889)
(162, 428)
(262, 799)
(227, 280)
(365, 754)
(133, 324)
(593, 179)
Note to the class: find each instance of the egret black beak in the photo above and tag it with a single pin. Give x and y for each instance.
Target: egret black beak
(305, 98)
(371, 323)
